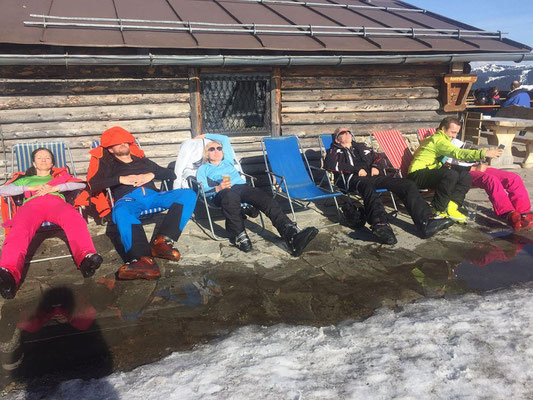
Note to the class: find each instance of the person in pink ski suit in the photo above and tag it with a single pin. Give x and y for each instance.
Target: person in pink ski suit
(42, 186)
(507, 193)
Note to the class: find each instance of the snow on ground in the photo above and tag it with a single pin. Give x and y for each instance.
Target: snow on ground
(467, 347)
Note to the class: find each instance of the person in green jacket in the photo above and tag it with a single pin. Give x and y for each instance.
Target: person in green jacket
(451, 184)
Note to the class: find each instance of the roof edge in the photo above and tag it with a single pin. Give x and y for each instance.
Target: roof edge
(222, 60)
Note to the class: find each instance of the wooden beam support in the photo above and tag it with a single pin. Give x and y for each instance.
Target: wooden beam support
(196, 102)
(275, 102)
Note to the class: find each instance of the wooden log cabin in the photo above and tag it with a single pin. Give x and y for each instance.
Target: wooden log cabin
(172, 70)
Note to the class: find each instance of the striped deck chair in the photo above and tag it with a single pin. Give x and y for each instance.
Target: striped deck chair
(324, 142)
(393, 144)
(21, 161)
(145, 213)
(290, 174)
(423, 133)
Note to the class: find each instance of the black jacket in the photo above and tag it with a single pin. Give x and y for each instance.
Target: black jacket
(350, 161)
(111, 169)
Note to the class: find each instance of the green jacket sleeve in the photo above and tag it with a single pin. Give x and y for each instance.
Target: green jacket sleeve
(446, 148)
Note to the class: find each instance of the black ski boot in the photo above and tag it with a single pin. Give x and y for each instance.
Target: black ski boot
(297, 240)
(8, 287)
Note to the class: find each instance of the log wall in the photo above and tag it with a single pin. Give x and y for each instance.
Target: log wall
(77, 104)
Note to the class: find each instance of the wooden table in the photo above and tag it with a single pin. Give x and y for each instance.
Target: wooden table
(505, 130)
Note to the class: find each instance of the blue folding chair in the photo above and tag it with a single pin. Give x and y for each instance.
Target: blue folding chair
(290, 173)
(21, 161)
(145, 213)
(325, 141)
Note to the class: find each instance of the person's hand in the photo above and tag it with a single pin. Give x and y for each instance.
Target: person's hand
(35, 188)
(362, 172)
(45, 189)
(143, 179)
(223, 185)
(480, 167)
(202, 136)
(374, 171)
(493, 153)
(128, 180)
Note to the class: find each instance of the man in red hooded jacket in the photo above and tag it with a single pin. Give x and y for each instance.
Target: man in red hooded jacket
(123, 168)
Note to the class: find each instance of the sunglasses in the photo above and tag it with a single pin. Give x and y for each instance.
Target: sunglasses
(343, 132)
(219, 148)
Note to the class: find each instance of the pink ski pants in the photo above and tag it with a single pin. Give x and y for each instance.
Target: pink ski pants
(29, 218)
(505, 189)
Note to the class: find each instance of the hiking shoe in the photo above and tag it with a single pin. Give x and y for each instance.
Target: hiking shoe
(298, 240)
(433, 225)
(162, 247)
(145, 268)
(243, 242)
(90, 264)
(527, 221)
(8, 286)
(514, 219)
(438, 214)
(250, 211)
(454, 213)
(384, 234)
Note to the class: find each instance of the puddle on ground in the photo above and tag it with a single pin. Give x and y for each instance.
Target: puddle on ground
(88, 331)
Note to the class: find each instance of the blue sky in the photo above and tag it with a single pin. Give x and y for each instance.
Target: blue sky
(512, 16)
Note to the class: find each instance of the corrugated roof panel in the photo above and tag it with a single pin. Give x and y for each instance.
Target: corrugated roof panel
(89, 37)
(264, 14)
(152, 10)
(342, 17)
(208, 11)
(12, 15)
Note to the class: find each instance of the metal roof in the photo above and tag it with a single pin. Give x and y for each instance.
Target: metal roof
(257, 26)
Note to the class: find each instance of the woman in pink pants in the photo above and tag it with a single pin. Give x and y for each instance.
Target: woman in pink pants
(507, 194)
(42, 186)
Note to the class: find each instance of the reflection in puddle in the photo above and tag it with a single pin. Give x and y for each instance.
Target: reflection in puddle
(500, 263)
(86, 331)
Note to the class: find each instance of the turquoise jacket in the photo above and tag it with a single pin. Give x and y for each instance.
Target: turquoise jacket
(210, 175)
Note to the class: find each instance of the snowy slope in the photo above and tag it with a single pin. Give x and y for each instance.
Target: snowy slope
(501, 75)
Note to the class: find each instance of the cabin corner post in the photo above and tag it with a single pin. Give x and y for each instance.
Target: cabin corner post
(196, 102)
(275, 101)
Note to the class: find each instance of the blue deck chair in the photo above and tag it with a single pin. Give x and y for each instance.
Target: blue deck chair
(199, 189)
(21, 161)
(325, 141)
(290, 174)
(145, 213)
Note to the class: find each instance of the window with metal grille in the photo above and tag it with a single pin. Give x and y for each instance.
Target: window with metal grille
(235, 104)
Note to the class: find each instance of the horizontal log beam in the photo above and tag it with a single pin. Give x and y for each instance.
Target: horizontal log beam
(92, 71)
(360, 117)
(313, 82)
(361, 105)
(104, 86)
(368, 70)
(48, 130)
(96, 113)
(357, 129)
(23, 102)
(360, 94)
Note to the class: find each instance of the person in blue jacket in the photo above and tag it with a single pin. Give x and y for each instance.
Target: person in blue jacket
(517, 96)
(219, 164)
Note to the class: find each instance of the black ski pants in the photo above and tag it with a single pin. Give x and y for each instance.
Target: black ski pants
(405, 189)
(449, 184)
(230, 201)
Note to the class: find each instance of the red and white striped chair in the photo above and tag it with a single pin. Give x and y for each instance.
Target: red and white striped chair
(423, 133)
(393, 144)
